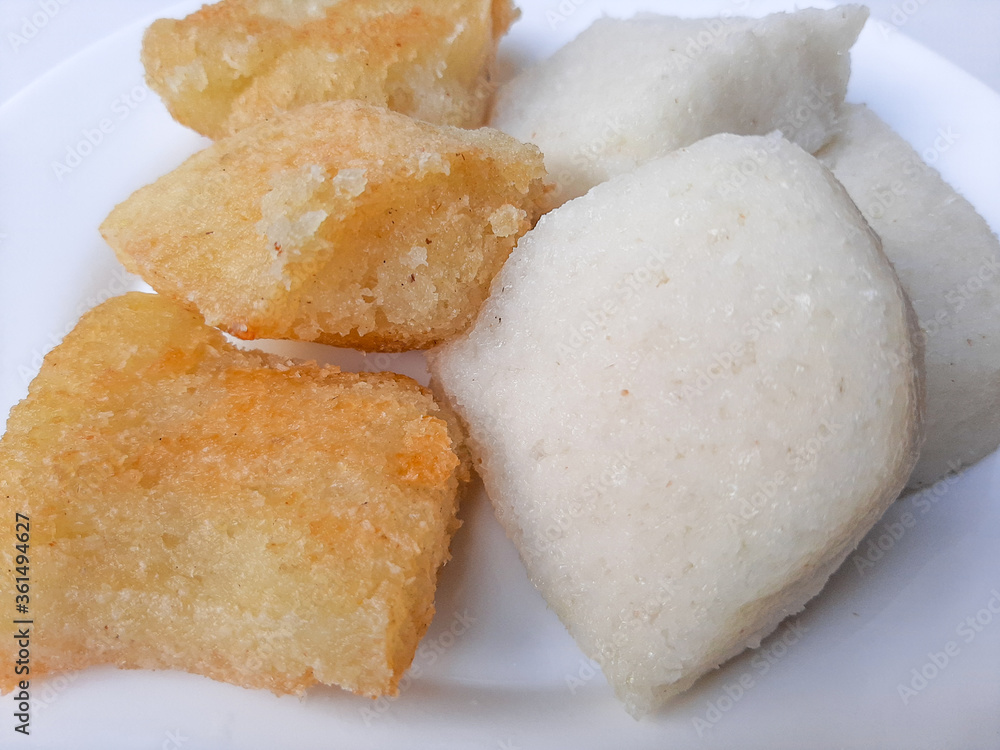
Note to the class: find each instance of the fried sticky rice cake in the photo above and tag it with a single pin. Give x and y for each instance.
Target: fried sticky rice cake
(228, 513)
(340, 222)
(240, 61)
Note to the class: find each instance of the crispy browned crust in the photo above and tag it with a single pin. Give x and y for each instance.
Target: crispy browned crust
(339, 222)
(228, 513)
(240, 61)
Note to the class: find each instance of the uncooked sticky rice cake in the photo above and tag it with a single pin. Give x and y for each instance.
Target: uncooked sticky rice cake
(691, 394)
(948, 260)
(238, 62)
(625, 91)
(339, 222)
(228, 513)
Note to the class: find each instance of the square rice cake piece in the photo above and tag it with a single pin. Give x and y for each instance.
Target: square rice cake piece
(224, 512)
(339, 222)
(237, 62)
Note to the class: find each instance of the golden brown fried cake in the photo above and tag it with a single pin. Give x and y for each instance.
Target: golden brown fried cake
(228, 513)
(239, 61)
(338, 222)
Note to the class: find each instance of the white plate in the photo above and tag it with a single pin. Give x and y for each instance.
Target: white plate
(497, 669)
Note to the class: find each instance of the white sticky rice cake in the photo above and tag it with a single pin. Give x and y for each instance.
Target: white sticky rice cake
(948, 260)
(691, 393)
(625, 91)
